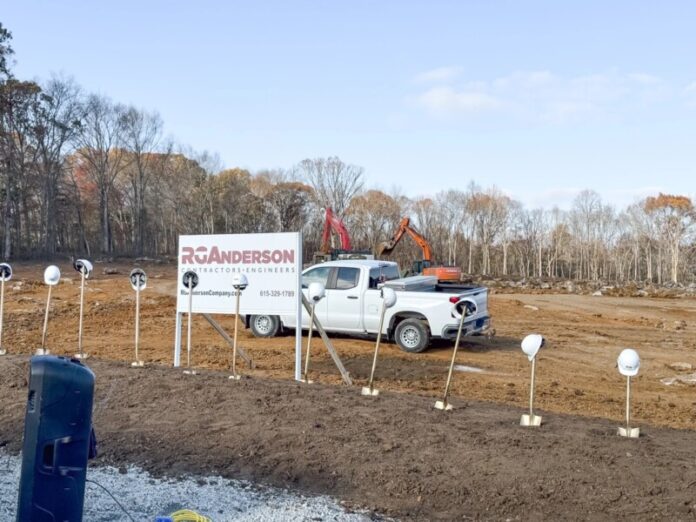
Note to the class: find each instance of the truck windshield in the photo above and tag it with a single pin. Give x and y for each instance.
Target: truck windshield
(383, 274)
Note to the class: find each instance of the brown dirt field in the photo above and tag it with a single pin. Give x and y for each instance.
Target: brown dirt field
(389, 453)
(576, 371)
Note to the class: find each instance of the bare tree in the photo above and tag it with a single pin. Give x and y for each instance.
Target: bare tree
(19, 104)
(142, 138)
(99, 146)
(334, 182)
(58, 122)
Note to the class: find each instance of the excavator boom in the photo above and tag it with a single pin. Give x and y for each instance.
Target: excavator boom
(333, 222)
(387, 247)
(443, 273)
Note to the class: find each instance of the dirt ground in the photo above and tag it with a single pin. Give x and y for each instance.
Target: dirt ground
(394, 454)
(576, 370)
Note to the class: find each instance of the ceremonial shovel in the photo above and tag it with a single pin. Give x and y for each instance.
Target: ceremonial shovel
(85, 268)
(462, 308)
(51, 278)
(138, 280)
(316, 293)
(5, 275)
(629, 364)
(388, 300)
(239, 283)
(530, 346)
(190, 281)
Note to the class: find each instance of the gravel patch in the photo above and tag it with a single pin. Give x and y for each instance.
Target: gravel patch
(146, 497)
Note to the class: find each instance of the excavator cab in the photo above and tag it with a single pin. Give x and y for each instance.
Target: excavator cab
(419, 266)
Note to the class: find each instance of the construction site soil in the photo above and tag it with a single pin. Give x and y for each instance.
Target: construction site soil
(393, 453)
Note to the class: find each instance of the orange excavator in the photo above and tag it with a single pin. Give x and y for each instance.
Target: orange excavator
(424, 266)
(333, 222)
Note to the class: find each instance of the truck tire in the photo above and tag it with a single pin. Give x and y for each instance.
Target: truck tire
(264, 325)
(412, 335)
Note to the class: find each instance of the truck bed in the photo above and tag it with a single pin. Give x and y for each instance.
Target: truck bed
(429, 284)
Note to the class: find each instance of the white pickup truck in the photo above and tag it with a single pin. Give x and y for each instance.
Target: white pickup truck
(352, 305)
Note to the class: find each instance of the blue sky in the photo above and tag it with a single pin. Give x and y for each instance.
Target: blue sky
(539, 98)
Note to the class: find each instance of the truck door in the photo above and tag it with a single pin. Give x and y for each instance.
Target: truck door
(343, 296)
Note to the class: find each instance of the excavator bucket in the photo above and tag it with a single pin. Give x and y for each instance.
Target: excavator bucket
(385, 248)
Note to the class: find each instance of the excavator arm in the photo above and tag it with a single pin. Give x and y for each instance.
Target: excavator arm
(405, 228)
(333, 222)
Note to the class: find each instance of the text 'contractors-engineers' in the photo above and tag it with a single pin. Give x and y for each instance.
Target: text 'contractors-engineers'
(242, 270)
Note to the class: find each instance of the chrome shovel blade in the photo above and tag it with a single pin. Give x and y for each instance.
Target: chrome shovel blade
(371, 392)
(442, 405)
(81, 356)
(234, 377)
(189, 372)
(307, 381)
(42, 351)
(137, 364)
(530, 420)
(632, 433)
(3, 352)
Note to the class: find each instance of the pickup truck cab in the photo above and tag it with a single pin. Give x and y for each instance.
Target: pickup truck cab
(352, 305)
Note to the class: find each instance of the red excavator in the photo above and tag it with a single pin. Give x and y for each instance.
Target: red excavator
(333, 222)
(424, 266)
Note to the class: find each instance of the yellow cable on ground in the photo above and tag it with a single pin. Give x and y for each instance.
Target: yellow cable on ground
(186, 515)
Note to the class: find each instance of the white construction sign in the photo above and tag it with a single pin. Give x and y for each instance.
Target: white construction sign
(271, 262)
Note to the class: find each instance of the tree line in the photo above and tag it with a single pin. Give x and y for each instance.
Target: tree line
(81, 174)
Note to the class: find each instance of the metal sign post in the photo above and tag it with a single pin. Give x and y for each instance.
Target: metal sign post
(51, 278)
(190, 282)
(5, 275)
(388, 300)
(138, 280)
(461, 309)
(239, 283)
(85, 268)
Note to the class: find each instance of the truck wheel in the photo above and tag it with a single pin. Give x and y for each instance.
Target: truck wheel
(412, 335)
(264, 325)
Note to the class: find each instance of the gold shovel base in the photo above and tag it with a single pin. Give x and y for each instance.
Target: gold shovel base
(137, 364)
(632, 433)
(234, 377)
(530, 420)
(190, 372)
(42, 351)
(369, 392)
(442, 405)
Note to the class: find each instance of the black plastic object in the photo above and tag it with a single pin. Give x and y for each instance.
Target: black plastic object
(57, 439)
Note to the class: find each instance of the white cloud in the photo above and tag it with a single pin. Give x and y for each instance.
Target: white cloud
(439, 75)
(647, 79)
(446, 99)
(547, 97)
